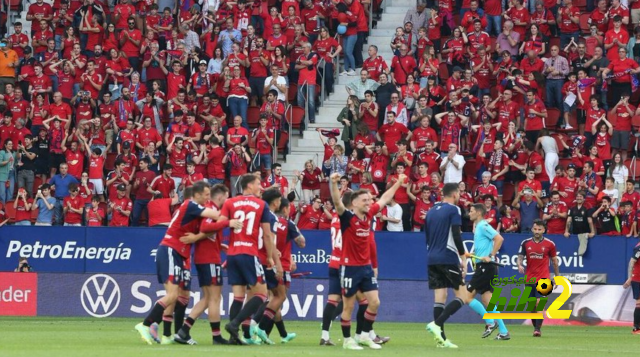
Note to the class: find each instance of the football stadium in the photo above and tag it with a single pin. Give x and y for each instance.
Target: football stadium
(319, 177)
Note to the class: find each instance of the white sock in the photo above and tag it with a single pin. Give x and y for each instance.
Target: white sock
(325, 335)
(364, 335)
(372, 334)
(253, 323)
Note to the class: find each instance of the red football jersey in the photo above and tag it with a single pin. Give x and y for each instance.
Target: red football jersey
(286, 231)
(309, 218)
(356, 235)
(252, 211)
(556, 225)
(537, 255)
(208, 249)
(186, 219)
(336, 243)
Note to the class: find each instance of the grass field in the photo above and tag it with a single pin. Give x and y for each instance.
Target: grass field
(116, 337)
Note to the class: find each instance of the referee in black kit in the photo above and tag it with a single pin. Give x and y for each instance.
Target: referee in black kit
(580, 223)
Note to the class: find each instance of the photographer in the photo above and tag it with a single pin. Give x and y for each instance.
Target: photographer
(22, 206)
(605, 218)
(23, 266)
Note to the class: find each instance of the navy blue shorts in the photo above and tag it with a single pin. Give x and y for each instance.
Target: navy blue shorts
(635, 288)
(209, 274)
(354, 278)
(245, 270)
(335, 288)
(172, 267)
(270, 277)
(499, 186)
(534, 293)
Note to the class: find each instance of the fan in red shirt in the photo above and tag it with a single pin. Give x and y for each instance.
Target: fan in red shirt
(163, 184)
(73, 206)
(375, 64)
(537, 251)
(422, 205)
(401, 66)
(120, 208)
(94, 215)
(567, 186)
(486, 188)
(310, 214)
(392, 132)
(191, 176)
(555, 214)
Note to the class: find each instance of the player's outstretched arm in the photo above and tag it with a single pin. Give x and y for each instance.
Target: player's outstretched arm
(335, 193)
(388, 194)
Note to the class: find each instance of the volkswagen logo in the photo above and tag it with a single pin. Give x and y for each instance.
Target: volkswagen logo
(100, 295)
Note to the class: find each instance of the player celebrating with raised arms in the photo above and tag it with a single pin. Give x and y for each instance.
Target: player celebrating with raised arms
(537, 251)
(173, 259)
(356, 271)
(243, 267)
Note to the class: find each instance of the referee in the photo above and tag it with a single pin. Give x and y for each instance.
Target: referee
(445, 257)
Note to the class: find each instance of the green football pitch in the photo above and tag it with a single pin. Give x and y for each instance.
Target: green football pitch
(24, 336)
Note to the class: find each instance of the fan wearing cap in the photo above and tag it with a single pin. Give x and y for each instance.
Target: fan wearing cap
(120, 208)
(201, 81)
(129, 158)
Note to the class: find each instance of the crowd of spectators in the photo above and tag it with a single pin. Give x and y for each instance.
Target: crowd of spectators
(111, 111)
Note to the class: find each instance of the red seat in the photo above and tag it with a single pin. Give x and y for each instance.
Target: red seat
(253, 116)
(554, 41)
(296, 116)
(634, 169)
(284, 140)
(635, 121)
(551, 121)
(573, 121)
(10, 211)
(508, 192)
(443, 71)
(584, 21)
(37, 182)
(34, 215)
(612, 118)
(14, 5)
(109, 164)
(565, 162)
(325, 193)
(292, 93)
(559, 138)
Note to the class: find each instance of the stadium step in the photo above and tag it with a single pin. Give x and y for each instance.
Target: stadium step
(308, 145)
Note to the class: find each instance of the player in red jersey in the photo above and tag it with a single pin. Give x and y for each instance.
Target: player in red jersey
(537, 250)
(173, 262)
(634, 282)
(357, 272)
(286, 232)
(243, 267)
(209, 266)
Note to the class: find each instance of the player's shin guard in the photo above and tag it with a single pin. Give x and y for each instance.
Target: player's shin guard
(438, 308)
(249, 309)
(327, 316)
(338, 311)
(215, 329)
(178, 313)
(362, 308)
(636, 316)
(167, 320)
(281, 329)
(369, 319)
(155, 315)
(246, 328)
(266, 322)
(346, 328)
(449, 310)
(188, 323)
(236, 306)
